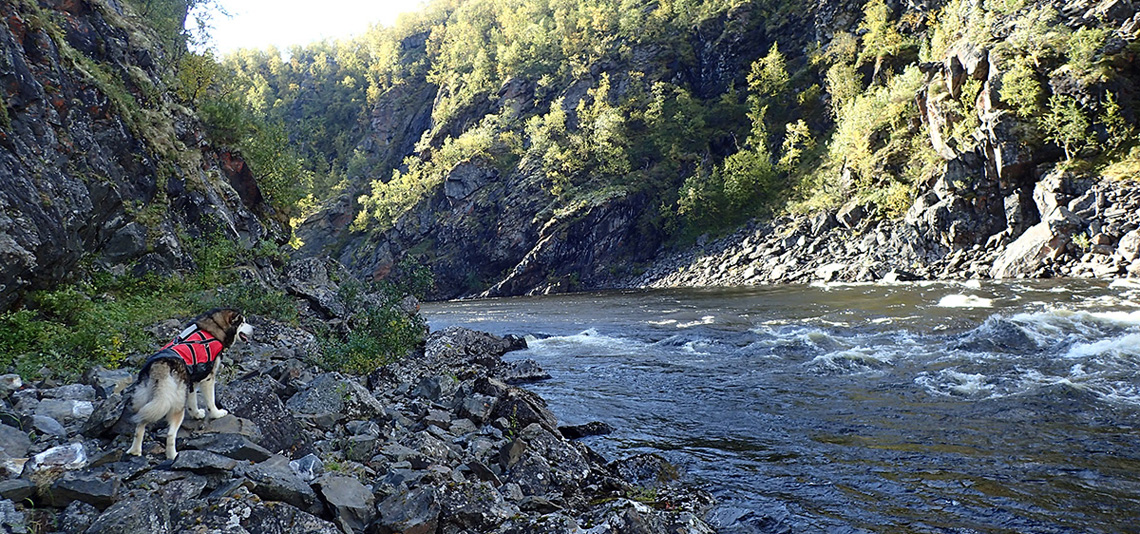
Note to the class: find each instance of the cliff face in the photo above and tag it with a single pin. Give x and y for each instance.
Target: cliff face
(496, 228)
(570, 151)
(97, 162)
(941, 116)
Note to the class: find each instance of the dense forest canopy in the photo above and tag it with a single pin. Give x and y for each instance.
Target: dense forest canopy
(607, 97)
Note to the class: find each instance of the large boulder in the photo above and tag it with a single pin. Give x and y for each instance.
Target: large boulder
(256, 399)
(1045, 240)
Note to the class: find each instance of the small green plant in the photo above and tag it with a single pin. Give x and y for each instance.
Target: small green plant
(1082, 241)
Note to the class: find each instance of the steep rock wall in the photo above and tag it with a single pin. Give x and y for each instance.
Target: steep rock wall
(97, 162)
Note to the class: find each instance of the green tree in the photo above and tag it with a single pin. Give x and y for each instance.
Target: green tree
(1066, 124)
(881, 39)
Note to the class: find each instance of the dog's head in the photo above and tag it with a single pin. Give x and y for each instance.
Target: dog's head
(226, 324)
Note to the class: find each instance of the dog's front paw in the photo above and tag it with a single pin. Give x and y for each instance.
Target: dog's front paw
(198, 414)
(135, 451)
(219, 414)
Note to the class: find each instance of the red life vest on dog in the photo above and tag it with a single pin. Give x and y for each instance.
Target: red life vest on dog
(196, 348)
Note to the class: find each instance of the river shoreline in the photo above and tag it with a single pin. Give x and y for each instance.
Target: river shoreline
(445, 440)
(1090, 231)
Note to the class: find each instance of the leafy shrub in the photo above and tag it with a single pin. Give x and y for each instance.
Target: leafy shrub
(1020, 88)
(70, 329)
(379, 330)
(1066, 124)
(380, 334)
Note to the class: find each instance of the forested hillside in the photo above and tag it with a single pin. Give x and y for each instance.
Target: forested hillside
(531, 145)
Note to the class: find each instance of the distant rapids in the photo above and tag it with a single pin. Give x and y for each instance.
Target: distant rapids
(917, 407)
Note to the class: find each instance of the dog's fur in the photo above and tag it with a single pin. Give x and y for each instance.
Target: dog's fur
(164, 383)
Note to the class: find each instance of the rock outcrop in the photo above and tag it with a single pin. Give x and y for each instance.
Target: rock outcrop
(97, 161)
(1090, 230)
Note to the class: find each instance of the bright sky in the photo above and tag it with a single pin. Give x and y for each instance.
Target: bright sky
(261, 23)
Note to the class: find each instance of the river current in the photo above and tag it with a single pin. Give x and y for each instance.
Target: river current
(909, 408)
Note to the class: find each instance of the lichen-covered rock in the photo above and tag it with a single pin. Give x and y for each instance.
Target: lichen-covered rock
(256, 400)
(140, 513)
(332, 393)
(274, 480)
(352, 505)
(414, 512)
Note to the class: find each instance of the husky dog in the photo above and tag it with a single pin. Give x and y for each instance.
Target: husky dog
(165, 381)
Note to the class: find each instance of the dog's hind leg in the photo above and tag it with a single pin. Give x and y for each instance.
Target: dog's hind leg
(192, 404)
(174, 422)
(136, 445)
(207, 386)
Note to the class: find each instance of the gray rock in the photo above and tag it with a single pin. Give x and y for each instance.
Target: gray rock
(554, 523)
(429, 450)
(109, 417)
(17, 489)
(520, 372)
(307, 467)
(14, 442)
(595, 428)
(108, 382)
(203, 462)
(310, 279)
(352, 504)
(126, 244)
(68, 457)
(360, 448)
(466, 178)
(142, 513)
(275, 480)
(475, 506)
(65, 410)
(78, 392)
(256, 400)
(477, 407)
(233, 446)
(77, 517)
(331, 393)
(95, 489)
(361, 428)
(1129, 246)
(438, 418)
(523, 408)
(10, 383)
(548, 465)
(851, 214)
(460, 427)
(12, 520)
(433, 387)
(1046, 239)
(275, 517)
(413, 512)
(48, 426)
(185, 488)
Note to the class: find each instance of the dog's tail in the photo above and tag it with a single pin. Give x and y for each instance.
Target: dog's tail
(158, 394)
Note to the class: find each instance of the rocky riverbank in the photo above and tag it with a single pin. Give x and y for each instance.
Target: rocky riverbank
(443, 441)
(1089, 228)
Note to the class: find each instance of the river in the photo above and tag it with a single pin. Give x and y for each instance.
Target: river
(909, 408)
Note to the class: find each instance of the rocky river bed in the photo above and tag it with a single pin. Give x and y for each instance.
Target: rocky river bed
(444, 441)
